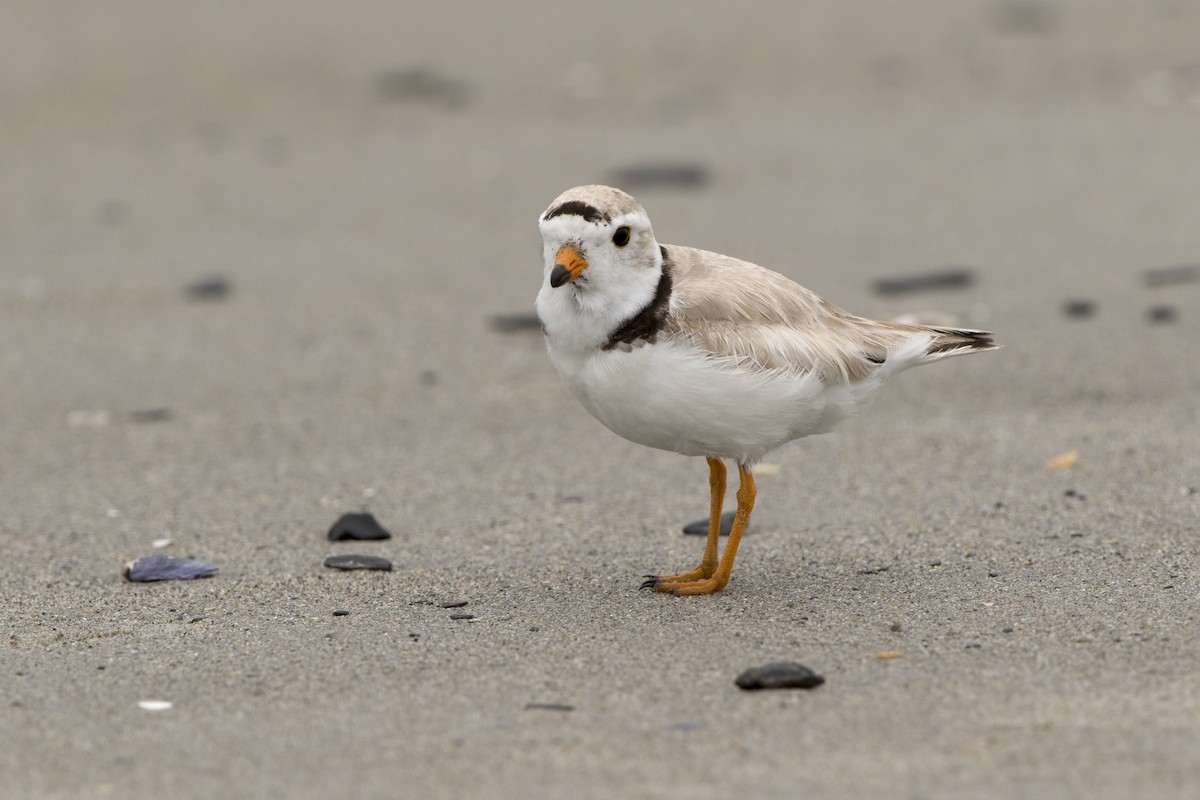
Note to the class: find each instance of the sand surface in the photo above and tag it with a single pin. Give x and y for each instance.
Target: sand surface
(367, 176)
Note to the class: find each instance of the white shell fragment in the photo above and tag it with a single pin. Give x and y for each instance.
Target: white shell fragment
(154, 705)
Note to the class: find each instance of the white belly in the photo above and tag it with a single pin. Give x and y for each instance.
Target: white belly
(669, 397)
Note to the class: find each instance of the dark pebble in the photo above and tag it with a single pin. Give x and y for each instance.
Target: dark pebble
(993, 574)
(779, 675)
(1075, 494)
(462, 615)
(362, 527)
(974, 646)
(670, 176)
(215, 287)
(166, 568)
(1006, 630)
(454, 604)
(1160, 314)
(873, 570)
(150, 415)
(1079, 309)
(954, 278)
(354, 561)
(515, 323)
(428, 377)
(1167, 276)
(1026, 17)
(341, 612)
(548, 707)
(700, 526)
(421, 85)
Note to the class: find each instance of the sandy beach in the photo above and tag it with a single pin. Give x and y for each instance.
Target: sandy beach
(364, 180)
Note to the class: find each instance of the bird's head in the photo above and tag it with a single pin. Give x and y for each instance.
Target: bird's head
(596, 238)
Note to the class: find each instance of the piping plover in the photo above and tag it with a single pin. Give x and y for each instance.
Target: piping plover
(705, 355)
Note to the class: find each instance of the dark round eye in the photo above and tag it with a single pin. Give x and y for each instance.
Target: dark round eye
(621, 237)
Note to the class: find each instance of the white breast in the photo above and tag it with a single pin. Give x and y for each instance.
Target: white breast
(670, 396)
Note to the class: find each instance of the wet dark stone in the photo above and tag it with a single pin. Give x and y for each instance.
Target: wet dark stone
(950, 278)
(1079, 308)
(1161, 314)
(779, 675)
(150, 415)
(214, 287)
(700, 526)
(1167, 276)
(355, 561)
(454, 604)
(421, 85)
(462, 615)
(361, 527)
(166, 568)
(341, 612)
(660, 176)
(548, 707)
(515, 323)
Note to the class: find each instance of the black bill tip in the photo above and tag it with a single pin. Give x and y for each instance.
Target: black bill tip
(559, 275)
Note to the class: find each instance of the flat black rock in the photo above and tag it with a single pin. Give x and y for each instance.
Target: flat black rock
(362, 527)
(1079, 308)
(951, 278)
(355, 561)
(779, 675)
(213, 287)
(700, 526)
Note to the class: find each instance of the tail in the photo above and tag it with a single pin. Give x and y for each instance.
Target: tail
(956, 341)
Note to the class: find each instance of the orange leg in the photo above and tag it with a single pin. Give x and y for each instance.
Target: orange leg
(705, 579)
(708, 565)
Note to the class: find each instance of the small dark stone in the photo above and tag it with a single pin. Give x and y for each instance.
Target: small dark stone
(548, 707)
(935, 563)
(1006, 630)
(974, 646)
(1075, 494)
(672, 176)
(1161, 314)
(993, 574)
(950, 278)
(1026, 17)
(874, 570)
(101, 666)
(354, 561)
(1167, 276)
(165, 568)
(454, 604)
(896, 627)
(1078, 308)
(341, 612)
(215, 287)
(515, 323)
(150, 415)
(779, 675)
(421, 85)
(362, 527)
(429, 377)
(700, 526)
(462, 615)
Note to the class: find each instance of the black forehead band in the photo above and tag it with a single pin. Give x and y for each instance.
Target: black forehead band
(580, 209)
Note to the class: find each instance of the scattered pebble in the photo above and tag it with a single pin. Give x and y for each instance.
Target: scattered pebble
(1063, 460)
(1076, 494)
(462, 615)
(421, 85)
(165, 568)
(361, 527)
(1167, 276)
(341, 612)
(548, 707)
(154, 705)
(213, 287)
(779, 675)
(874, 570)
(1079, 309)
(951, 278)
(515, 323)
(896, 627)
(150, 415)
(454, 604)
(355, 561)
(700, 526)
(159, 544)
(1026, 17)
(1161, 314)
(659, 176)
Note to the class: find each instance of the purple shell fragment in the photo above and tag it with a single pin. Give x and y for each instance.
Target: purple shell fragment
(166, 568)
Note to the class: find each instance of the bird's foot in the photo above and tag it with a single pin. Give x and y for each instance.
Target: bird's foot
(687, 583)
